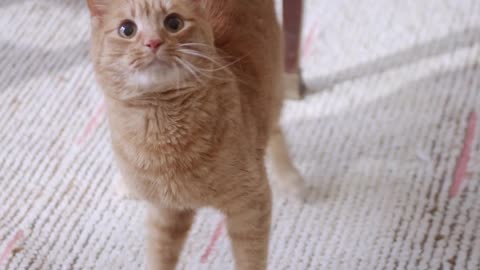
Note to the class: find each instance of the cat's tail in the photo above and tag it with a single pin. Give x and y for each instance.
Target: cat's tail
(287, 177)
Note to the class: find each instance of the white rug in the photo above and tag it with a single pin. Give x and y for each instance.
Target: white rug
(378, 139)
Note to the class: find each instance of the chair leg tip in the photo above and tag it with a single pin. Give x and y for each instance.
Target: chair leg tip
(293, 85)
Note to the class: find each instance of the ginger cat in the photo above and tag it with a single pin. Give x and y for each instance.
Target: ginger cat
(193, 92)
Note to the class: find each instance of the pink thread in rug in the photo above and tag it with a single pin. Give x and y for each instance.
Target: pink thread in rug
(10, 246)
(92, 124)
(307, 47)
(462, 163)
(216, 235)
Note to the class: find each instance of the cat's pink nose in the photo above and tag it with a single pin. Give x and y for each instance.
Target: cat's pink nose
(153, 44)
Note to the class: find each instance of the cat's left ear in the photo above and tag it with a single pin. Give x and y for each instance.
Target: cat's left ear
(97, 7)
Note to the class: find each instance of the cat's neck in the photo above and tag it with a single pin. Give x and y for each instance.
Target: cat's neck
(164, 119)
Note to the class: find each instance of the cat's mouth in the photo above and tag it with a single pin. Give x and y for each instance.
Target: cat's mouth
(154, 72)
(156, 63)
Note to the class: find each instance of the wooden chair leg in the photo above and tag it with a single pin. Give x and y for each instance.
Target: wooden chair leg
(292, 25)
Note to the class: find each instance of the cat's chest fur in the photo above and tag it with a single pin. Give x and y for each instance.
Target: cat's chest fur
(172, 153)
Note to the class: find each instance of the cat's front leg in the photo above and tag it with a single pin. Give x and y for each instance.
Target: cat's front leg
(248, 221)
(167, 230)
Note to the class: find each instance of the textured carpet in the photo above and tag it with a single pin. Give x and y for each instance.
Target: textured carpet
(383, 138)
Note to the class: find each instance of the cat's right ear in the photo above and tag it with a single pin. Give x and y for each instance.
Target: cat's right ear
(97, 7)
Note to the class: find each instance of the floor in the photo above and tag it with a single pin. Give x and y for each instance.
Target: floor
(387, 139)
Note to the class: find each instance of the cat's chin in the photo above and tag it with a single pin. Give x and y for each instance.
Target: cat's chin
(157, 64)
(154, 75)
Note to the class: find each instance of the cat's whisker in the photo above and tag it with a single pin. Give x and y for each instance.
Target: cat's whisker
(196, 44)
(205, 72)
(204, 48)
(224, 66)
(112, 55)
(138, 62)
(177, 71)
(206, 75)
(113, 69)
(185, 65)
(221, 66)
(208, 48)
(200, 55)
(199, 70)
(213, 54)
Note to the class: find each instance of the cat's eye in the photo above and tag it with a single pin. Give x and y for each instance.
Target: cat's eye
(173, 23)
(127, 29)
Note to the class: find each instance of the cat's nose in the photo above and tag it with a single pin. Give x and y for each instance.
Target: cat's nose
(153, 44)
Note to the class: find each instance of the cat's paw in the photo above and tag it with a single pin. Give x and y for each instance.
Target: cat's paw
(291, 183)
(121, 189)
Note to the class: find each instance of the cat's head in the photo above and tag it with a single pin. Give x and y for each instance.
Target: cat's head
(145, 46)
